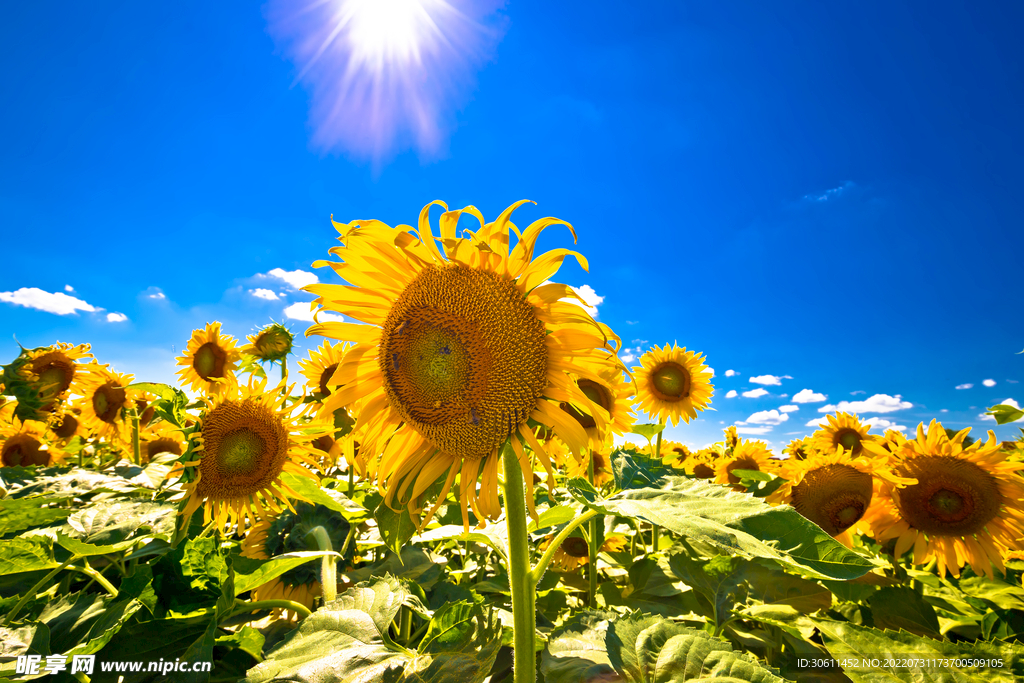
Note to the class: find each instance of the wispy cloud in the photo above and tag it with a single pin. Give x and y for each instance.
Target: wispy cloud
(830, 195)
(768, 417)
(50, 302)
(296, 279)
(755, 393)
(300, 310)
(261, 293)
(817, 422)
(857, 392)
(769, 380)
(808, 396)
(961, 387)
(879, 403)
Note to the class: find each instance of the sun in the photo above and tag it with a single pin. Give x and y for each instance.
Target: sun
(387, 30)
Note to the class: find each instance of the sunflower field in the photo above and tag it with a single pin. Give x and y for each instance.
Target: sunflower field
(435, 494)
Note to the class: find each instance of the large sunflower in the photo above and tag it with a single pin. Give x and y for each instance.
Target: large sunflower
(673, 383)
(245, 441)
(967, 506)
(24, 443)
(846, 430)
(209, 361)
(833, 490)
(104, 396)
(465, 342)
(748, 455)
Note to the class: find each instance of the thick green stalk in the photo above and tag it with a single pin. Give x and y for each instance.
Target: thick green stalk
(284, 371)
(136, 450)
(35, 589)
(654, 527)
(329, 566)
(521, 578)
(545, 559)
(592, 548)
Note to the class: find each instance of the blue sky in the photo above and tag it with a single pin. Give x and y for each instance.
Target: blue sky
(822, 197)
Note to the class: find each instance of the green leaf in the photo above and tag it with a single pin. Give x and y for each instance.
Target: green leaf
(380, 599)
(247, 639)
(849, 641)
(759, 484)
(18, 514)
(1000, 593)
(250, 573)
(900, 607)
(396, 528)
(26, 554)
(84, 549)
(554, 516)
(584, 492)
(31, 638)
(493, 535)
(204, 563)
(576, 653)
(1005, 413)
(461, 644)
(309, 490)
(736, 523)
(70, 617)
(633, 469)
(201, 650)
(648, 431)
(109, 522)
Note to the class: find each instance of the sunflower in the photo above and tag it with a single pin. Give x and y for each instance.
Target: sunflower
(674, 454)
(24, 443)
(846, 430)
(65, 424)
(291, 531)
(602, 464)
(966, 507)
(162, 437)
(833, 490)
(748, 455)
(465, 342)
(732, 438)
(41, 378)
(271, 343)
(245, 441)
(209, 361)
(673, 383)
(104, 396)
(575, 553)
(799, 449)
(701, 464)
(608, 408)
(320, 367)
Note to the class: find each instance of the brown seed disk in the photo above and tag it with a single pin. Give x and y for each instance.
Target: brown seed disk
(245, 447)
(953, 497)
(463, 358)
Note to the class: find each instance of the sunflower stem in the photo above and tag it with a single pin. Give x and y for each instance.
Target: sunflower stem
(592, 547)
(351, 481)
(328, 567)
(522, 583)
(545, 559)
(136, 450)
(35, 589)
(97, 577)
(284, 371)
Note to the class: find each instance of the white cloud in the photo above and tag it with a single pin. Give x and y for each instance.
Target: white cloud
(768, 417)
(789, 409)
(297, 279)
(628, 358)
(989, 382)
(808, 396)
(56, 302)
(769, 380)
(755, 393)
(964, 386)
(730, 373)
(68, 288)
(754, 431)
(881, 424)
(854, 393)
(879, 403)
(300, 311)
(116, 317)
(731, 394)
(1008, 401)
(587, 293)
(833, 194)
(267, 294)
(817, 422)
